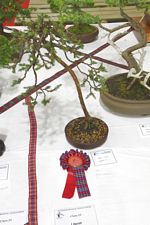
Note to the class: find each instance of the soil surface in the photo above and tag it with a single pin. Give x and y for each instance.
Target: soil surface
(86, 132)
(117, 86)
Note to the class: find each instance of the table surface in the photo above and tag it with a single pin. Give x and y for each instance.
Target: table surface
(120, 190)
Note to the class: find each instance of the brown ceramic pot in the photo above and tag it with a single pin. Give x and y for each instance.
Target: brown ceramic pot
(125, 106)
(87, 37)
(86, 136)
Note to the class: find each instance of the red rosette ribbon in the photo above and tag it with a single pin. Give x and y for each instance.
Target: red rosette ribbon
(75, 162)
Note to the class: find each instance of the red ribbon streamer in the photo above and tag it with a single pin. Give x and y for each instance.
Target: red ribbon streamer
(70, 185)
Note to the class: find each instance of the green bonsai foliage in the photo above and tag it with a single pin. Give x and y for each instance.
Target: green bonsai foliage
(10, 9)
(122, 3)
(7, 50)
(71, 11)
(4, 51)
(45, 44)
(143, 4)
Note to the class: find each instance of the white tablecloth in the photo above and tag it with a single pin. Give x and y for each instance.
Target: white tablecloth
(120, 191)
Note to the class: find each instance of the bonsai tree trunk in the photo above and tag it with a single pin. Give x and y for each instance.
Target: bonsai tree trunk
(127, 54)
(75, 79)
(84, 132)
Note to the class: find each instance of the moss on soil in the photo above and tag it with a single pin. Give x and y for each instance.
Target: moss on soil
(81, 29)
(117, 86)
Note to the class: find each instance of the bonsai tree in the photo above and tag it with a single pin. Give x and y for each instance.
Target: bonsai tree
(42, 46)
(135, 84)
(71, 11)
(9, 9)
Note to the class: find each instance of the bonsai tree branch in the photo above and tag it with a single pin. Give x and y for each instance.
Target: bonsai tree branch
(115, 28)
(75, 79)
(135, 67)
(127, 54)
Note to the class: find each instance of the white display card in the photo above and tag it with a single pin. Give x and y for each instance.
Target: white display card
(13, 217)
(4, 172)
(145, 129)
(85, 215)
(103, 157)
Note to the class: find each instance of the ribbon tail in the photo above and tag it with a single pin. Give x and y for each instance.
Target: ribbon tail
(81, 182)
(69, 186)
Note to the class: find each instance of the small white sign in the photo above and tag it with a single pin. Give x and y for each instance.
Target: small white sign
(13, 217)
(4, 172)
(103, 157)
(85, 215)
(145, 129)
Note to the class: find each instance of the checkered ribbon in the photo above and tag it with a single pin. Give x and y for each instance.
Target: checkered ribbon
(92, 54)
(81, 183)
(75, 162)
(32, 201)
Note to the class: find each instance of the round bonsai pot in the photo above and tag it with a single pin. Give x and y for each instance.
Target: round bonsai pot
(125, 106)
(86, 133)
(147, 18)
(86, 37)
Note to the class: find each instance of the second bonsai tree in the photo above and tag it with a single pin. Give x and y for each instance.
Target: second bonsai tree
(72, 12)
(129, 93)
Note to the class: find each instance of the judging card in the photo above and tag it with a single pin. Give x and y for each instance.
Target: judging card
(145, 129)
(4, 172)
(13, 217)
(4, 178)
(103, 157)
(84, 215)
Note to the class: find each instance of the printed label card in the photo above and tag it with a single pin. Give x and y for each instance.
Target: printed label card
(85, 215)
(4, 172)
(145, 129)
(4, 181)
(13, 217)
(103, 157)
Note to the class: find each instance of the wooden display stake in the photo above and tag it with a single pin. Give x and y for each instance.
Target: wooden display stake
(145, 26)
